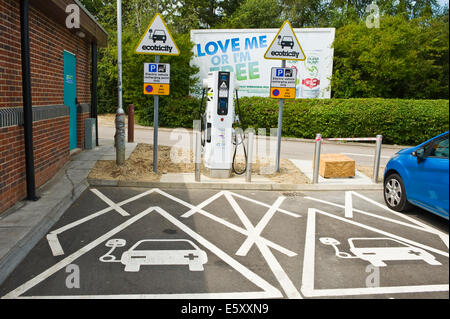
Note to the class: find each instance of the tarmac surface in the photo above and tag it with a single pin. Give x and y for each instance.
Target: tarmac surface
(116, 242)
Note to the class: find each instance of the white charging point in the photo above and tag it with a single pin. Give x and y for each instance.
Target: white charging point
(218, 130)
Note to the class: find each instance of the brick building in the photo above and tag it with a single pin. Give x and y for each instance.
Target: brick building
(62, 63)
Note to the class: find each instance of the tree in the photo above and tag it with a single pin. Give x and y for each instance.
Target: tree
(402, 59)
(256, 14)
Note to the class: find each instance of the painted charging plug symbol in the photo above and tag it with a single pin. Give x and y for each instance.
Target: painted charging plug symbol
(334, 243)
(113, 243)
(377, 250)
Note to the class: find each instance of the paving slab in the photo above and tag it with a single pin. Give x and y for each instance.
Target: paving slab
(307, 169)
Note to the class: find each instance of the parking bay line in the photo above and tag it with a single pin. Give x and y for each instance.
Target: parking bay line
(69, 259)
(52, 237)
(248, 243)
(274, 265)
(309, 264)
(269, 291)
(427, 229)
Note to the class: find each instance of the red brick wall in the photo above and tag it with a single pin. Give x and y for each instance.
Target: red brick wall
(48, 41)
(51, 151)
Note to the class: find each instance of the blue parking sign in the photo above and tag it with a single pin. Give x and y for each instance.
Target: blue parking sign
(280, 73)
(152, 67)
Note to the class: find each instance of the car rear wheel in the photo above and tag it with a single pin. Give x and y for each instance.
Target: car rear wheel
(395, 194)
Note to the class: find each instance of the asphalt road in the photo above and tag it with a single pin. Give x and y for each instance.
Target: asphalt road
(186, 244)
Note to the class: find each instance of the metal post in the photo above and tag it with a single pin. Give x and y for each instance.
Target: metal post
(317, 158)
(376, 162)
(120, 115)
(130, 123)
(94, 100)
(248, 178)
(27, 107)
(198, 143)
(155, 127)
(280, 120)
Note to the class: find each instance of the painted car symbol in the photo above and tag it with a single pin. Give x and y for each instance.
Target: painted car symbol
(164, 252)
(383, 252)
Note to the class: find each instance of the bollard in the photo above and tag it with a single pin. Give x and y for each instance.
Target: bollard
(198, 144)
(120, 138)
(376, 162)
(248, 177)
(317, 158)
(130, 123)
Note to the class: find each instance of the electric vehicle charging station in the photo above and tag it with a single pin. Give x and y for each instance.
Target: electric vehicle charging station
(219, 136)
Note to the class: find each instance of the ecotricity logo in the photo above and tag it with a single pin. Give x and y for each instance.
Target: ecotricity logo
(160, 48)
(285, 53)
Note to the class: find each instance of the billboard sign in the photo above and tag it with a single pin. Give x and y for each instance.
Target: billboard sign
(242, 51)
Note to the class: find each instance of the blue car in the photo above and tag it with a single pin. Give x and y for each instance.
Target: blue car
(419, 176)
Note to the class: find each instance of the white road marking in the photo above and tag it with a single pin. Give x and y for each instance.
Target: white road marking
(246, 233)
(265, 205)
(52, 237)
(222, 295)
(275, 267)
(248, 243)
(438, 232)
(195, 209)
(113, 205)
(99, 213)
(376, 230)
(431, 231)
(71, 258)
(253, 277)
(309, 254)
(269, 291)
(54, 244)
(309, 261)
(348, 205)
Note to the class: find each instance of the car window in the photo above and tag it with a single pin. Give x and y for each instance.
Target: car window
(159, 32)
(438, 147)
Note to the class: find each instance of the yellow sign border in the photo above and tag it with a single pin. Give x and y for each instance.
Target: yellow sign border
(281, 28)
(146, 31)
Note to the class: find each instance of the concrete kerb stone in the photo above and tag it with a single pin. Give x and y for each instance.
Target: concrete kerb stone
(234, 186)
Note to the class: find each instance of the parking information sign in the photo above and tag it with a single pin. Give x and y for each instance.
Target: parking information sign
(157, 39)
(283, 82)
(156, 78)
(285, 45)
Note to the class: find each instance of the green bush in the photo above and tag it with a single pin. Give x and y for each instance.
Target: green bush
(404, 122)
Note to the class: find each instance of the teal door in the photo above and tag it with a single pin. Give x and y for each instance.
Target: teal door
(70, 94)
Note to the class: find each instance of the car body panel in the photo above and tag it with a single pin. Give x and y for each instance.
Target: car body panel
(426, 183)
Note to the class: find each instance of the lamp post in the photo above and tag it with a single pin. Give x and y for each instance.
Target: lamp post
(119, 137)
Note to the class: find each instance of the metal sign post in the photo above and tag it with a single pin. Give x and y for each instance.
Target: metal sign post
(284, 46)
(280, 123)
(155, 127)
(119, 137)
(157, 41)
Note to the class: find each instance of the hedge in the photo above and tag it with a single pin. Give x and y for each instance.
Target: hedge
(403, 122)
